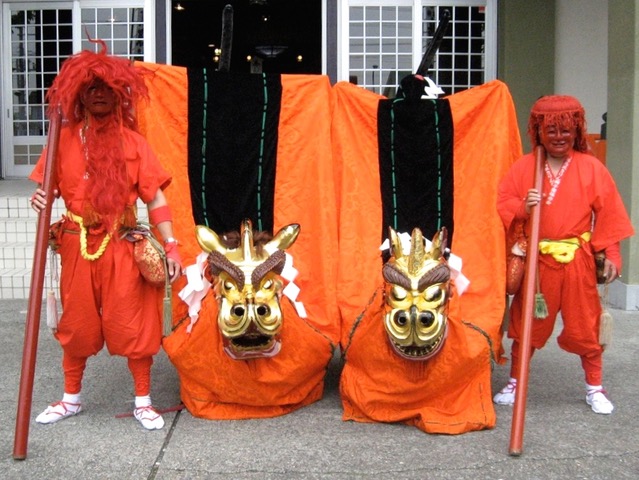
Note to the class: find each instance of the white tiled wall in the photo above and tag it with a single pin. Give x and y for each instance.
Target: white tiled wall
(18, 224)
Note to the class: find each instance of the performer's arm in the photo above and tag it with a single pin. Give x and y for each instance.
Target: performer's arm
(612, 266)
(160, 216)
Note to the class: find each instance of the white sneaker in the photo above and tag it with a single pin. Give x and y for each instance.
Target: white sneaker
(599, 403)
(506, 395)
(57, 411)
(149, 417)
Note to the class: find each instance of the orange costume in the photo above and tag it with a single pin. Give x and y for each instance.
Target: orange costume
(586, 189)
(581, 214)
(124, 309)
(212, 384)
(103, 167)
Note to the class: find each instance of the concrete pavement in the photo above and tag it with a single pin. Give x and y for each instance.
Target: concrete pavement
(563, 439)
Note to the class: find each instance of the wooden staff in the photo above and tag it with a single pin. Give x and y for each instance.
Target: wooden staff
(519, 410)
(32, 326)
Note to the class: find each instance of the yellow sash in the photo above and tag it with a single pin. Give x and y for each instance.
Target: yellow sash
(563, 250)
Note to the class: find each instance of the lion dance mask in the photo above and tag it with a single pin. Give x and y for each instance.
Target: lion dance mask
(248, 289)
(417, 293)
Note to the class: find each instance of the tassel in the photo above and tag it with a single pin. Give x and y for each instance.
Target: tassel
(52, 311)
(605, 329)
(605, 322)
(541, 309)
(167, 324)
(52, 304)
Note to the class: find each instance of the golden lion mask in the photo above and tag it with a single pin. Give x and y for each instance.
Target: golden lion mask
(417, 293)
(248, 289)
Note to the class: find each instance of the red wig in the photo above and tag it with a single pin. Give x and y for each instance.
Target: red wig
(108, 189)
(80, 70)
(561, 111)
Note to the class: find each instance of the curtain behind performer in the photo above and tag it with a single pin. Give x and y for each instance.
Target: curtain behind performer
(233, 135)
(416, 165)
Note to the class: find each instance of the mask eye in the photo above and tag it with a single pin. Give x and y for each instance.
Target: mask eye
(229, 286)
(426, 319)
(398, 293)
(433, 294)
(268, 285)
(401, 319)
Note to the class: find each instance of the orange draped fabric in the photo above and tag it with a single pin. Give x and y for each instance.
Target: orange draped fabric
(441, 395)
(304, 194)
(214, 386)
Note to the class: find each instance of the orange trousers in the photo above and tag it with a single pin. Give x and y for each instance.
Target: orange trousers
(106, 301)
(572, 289)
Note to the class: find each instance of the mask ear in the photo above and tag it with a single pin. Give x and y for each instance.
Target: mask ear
(284, 238)
(209, 240)
(439, 244)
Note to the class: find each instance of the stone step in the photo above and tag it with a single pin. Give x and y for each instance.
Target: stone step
(15, 283)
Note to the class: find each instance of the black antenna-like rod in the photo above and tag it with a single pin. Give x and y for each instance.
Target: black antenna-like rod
(226, 43)
(433, 46)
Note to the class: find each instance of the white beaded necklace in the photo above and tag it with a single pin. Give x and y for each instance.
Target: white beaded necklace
(555, 180)
(83, 139)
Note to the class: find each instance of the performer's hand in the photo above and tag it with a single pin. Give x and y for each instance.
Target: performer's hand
(175, 269)
(532, 198)
(38, 200)
(173, 260)
(610, 271)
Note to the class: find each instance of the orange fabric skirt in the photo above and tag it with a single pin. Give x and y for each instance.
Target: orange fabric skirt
(450, 393)
(214, 386)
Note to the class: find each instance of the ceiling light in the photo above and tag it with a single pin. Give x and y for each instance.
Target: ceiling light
(270, 51)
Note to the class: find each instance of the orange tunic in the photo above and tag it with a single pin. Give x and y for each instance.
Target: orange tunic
(105, 300)
(586, 200)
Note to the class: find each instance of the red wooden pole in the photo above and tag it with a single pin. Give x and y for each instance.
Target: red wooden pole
(532, 254)
(32, 326)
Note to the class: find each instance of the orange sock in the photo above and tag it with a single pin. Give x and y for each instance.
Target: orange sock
(73, 368)
(592, 366)
(141, 370)
(514, 359)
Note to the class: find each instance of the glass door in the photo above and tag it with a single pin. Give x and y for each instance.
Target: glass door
(36, 39)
